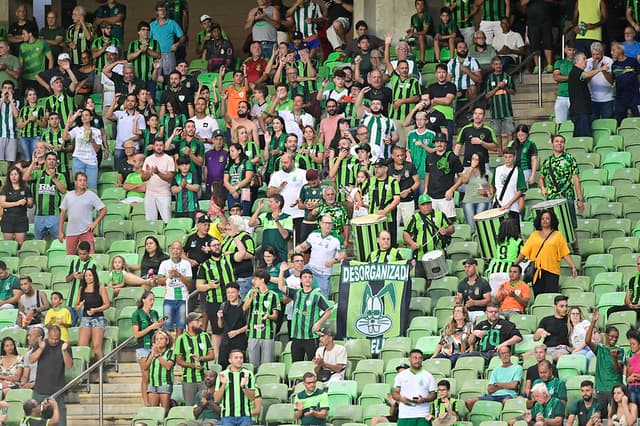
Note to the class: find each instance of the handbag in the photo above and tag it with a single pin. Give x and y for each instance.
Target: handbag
(530, 270)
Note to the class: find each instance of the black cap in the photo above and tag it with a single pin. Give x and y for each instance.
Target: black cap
(204, 219)
(363, 146)
(470, 261)
(440, 137)
(381, 162)
(216, 133)
(297, 36)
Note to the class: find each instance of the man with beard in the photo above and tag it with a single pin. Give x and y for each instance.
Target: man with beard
(243, 119)
(181, 97)
(585, 410)
(440, 177)
(382, 130)
(406, 174)
(214, 275)
(476, 137)
(288, 181)
(191, 147)
(384, 195)
(193, 351)
(464, 72)
(217, 51)
(329, 124)
(207, 410)
(100, 44)
(483, 52)
(231, 318)
(291, 148)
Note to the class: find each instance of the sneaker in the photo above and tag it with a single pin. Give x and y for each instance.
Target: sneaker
(548, 69)
(535, 69)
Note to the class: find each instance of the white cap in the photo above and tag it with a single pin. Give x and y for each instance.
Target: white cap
(112, 49)
(204, 18)
(64, 57)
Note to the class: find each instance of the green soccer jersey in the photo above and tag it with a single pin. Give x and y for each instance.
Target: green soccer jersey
(234, 401)
(175, 10)
(99, 43)
(276, 143)
(447, 29)
(262, 304)
(47, 197)
(300, 162)
(524, 152)
(197, 148)
(564, 66)
(82, 42)
(308, 307)
(158, 375)
(633, 5)
(462, 10)
(144, 320)
(63, 105)
(606, 375)
(218, 270)
(381, 194)
(493, 10)
(313, 149)
(31, 128)
(143, 63)
(558, 174)
(34, 58)
(346, 175)
(190, 347)
(54, 140)
(402, 89)
(271, 235)
(420, 22)
(106, 11)
(385, 256)
(238, 171)
(552, 409)
(337, 212)
(3, 33)
(78, 265)
(310, 194)
(501, 101)
(317, 400)
(423, 228)
(52, 34)
(419, 153)
(186, 200)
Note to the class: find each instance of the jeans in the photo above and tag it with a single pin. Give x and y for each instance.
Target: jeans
(245, 285)
(236, 421)
(625, 102)
(28, 145)
(634, 393)
(321, 279)
(582, 124)
(119, 158)
(472, 209)
(601, 110)
(267, 48)
(90, 170)
(45, 225)
(176, 312)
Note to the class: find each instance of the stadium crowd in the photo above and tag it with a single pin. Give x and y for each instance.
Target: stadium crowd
(258, 170)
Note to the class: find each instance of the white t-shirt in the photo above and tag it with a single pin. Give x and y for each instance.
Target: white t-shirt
(204, 128)
(295, 179)
(124, 128)
(601, 90)
(413, 385)
(156, 186)
(80, 210)
(292, 282)
(512, 40)
(337, 355)
(500, 178)
(291, 124)
(175, 288)
(109, 87)
(323, 249)
(83, 149)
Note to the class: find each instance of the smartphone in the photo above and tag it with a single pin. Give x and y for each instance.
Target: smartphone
(164, 318)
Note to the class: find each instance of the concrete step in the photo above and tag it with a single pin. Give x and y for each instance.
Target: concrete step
(128, 396)
(528, 78)
(91, 421)
(120, 410)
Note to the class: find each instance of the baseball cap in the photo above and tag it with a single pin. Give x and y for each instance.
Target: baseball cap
(401, 366)
(363, 146)
(194, 316)
(424, 199)
(381, 162)
(112, 49)
(217, 133)
(470, 261)
(204, 18)
(326, 331)
(312, 175)
(64, 57)
(440, 137)
(54, 78)
(297, 36)
(204, 219)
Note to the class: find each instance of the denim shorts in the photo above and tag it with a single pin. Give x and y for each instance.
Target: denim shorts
(142, 353)
(93, 322)
(176, 312)
(167, 389)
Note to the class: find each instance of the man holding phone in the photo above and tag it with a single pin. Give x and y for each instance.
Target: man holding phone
(415, 389)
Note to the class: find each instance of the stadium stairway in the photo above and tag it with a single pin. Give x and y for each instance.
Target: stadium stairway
(525, 101)
(122, 398)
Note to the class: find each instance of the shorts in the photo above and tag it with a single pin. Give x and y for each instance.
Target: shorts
(14, 225)
(8, 149)
(93, 322)
(540, 36)
(497, 398)
(572, 213)
(166, 389)
(502, 126)
(332, 37)
(448, 207)
(142, 353)
(176, 312)
(552, 350)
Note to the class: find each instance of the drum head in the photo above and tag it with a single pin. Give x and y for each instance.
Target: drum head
(490, 214)
(549, 204)
(368, 219)
(433, 254)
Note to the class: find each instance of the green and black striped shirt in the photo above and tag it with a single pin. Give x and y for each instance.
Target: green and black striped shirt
(381, 194)
(31, 129)
(346, 175)
(493, 10)
(47, 196)
(190, 347)
(263, 304)
(220, 270)
(501, 101)
(158, 375)
(76, 35)
(422, 228)
(461, 12)
(55, 139)
(63, 105)
(385, 256)
(402, 89)
(234, 402)
(186, 200)
(143, 64)
(243, 268)
(308, 307)
(78, 265)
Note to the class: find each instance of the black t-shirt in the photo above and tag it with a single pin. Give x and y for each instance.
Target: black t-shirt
(532, 372)
(383, 93)
(579, 94)
(442, 173)
(470, 131)
(51, 369)
(538, 12)
(125, 169)
(437, 90)
(147, 263)
(122, 86)
(233, 319)
(558, 329)
(181, 99)
(404, 175)
(193, 248)
(436, 121)
(336, 11)
(13, 195)
(474, 292)
(495, 334)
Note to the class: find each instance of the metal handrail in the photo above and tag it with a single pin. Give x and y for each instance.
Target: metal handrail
(466, 107)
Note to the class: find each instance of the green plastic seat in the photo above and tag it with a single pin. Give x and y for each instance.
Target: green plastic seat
(513, 407)
(345, 414)
(598, 263)
(587, 228)
(147, 227)
(594, 177)
(420, 306)
(468, 367)
(123, 246)
(626, 263)
(19, 335)
(614, 228)
(368, 371)
(580, 143)
(573, 364)
(342, 392)
(438, 366)
(610, 124)
(8, 248)
(616, 160)
(278, 414)
(113, 194)
(606, 211)
(422, 326)
(483, 411)
(272, 372)
(128, 296)
(587, 160)
(123, 321)
(178, 415)
(373, 393)
(595, 194)
(459, 250)
(298, 369)
(32, 264)
(427, 344)
(525, 323)
(151, 416)
(543, 126)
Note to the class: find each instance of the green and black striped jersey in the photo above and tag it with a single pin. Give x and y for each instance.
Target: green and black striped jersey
(220, 270)
(234, 402)
(308, 307)
(158, 375)
(190, 348)
(261, 305)
(46, 195)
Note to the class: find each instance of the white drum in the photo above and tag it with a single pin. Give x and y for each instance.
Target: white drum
(435, 264)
